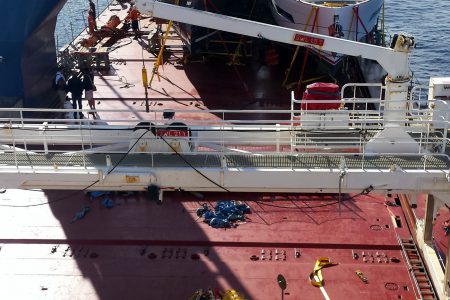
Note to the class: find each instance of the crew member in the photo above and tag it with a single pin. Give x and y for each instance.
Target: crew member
(75, 87)
(133, 16)
(92, 22)
(89, 87)
(92, 7)
(59, 84)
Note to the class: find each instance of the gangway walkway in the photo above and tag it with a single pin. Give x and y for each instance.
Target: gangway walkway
(235, 154)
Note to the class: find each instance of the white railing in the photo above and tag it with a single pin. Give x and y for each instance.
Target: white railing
(218, 132)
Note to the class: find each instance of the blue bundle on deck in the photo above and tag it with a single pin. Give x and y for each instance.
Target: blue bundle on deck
(225, 213)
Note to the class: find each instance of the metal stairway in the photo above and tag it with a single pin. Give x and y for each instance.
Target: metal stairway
(417, 269)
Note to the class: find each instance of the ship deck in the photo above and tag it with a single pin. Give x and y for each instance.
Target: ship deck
(140, 250)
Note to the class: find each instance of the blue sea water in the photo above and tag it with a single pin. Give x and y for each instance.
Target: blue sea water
(73, 19)
(427, 20)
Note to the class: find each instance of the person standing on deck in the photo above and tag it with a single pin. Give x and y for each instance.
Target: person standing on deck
(133, 16)
(92, 8)
(92, 23)
(75, 87)
(89, 88)
(92, 17)
(59, 85)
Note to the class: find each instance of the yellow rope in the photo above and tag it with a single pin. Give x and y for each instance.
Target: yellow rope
(297, 49)
(161, 51)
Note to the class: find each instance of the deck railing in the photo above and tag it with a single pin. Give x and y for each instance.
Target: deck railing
(269, 133)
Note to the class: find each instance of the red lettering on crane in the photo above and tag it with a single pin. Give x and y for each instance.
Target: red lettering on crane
(172, 133)
(308, 40)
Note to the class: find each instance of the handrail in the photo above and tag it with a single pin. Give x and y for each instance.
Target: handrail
(291, 132)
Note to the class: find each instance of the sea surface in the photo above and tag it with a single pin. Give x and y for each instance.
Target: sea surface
(73, 19)
(427, 20)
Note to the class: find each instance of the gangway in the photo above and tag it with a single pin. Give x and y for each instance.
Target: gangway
(236, 155)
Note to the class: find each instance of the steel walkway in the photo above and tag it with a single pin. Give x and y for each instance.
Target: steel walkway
(300, 161)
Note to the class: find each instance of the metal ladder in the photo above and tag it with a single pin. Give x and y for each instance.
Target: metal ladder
(417, 269)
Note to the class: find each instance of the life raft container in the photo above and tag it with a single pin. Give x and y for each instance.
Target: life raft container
(321, 91)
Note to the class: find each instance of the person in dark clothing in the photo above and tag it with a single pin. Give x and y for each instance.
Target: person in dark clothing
(75, 87)
(92, 22)
(89, 88)
(92, 17)
(92, 8)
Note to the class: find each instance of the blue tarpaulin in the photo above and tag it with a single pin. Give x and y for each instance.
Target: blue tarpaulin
(225, 213)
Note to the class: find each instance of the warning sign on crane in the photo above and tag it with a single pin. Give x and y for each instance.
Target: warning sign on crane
(308, 40)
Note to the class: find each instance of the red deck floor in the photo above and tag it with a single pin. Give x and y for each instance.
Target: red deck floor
(124, 236)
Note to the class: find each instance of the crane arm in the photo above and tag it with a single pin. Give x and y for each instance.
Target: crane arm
(394, 61)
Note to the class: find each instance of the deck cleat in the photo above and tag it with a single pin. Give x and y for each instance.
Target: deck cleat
(170, 254)
(65, 251)
(254, 258)
(54, 249)
(79, 252)
(85, 254)
(394, 259)
(362, 276)
(152, 256)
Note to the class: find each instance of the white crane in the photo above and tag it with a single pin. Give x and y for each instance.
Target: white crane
(394, 61)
